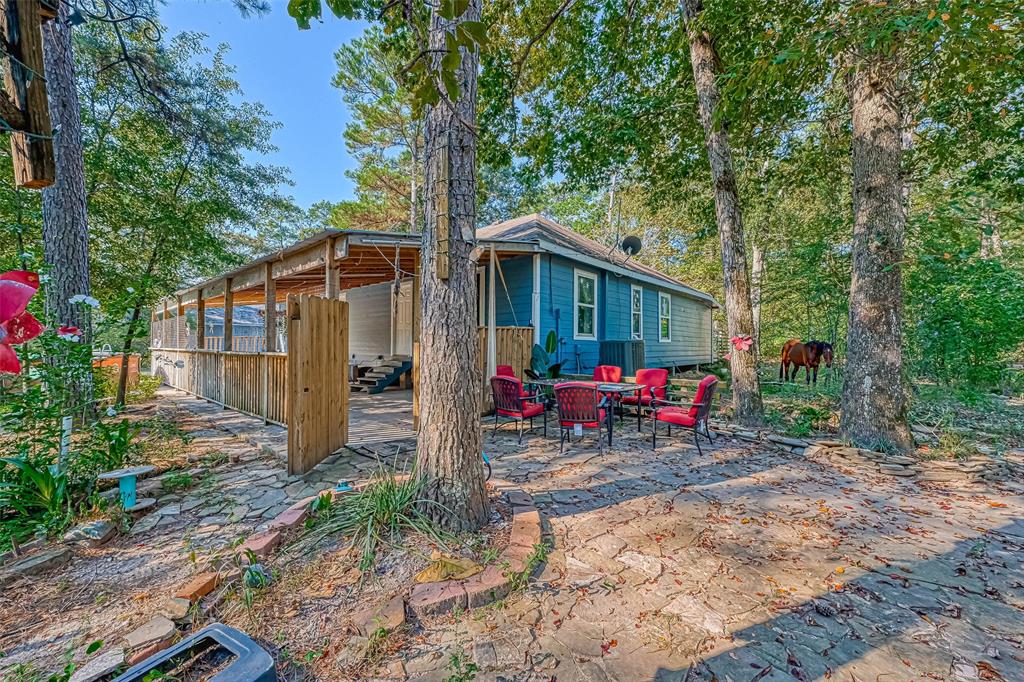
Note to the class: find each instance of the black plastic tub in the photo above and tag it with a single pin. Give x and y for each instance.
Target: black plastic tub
(234, 656)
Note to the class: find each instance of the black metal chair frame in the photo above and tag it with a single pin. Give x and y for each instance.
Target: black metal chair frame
(577, 417)
(701, 423)
(504, 402)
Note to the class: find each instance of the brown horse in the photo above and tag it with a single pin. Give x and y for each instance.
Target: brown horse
(806, 355)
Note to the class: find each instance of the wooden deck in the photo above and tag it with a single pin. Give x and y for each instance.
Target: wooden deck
(380, 418)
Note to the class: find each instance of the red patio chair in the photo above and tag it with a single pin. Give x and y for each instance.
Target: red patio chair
(608, 374)
(579, 402)
(655, 381)
(507, 371)
(693, 416)
(510, 401)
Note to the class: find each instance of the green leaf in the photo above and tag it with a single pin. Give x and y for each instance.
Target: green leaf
(477, 29)
(451, 85)
(302, 11)
(460, 7)
(447, 10)
(94, 647)
(452, 58)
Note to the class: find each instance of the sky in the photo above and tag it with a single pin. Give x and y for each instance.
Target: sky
(290, 72)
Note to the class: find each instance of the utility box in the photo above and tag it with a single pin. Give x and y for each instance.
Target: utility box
(629, 355)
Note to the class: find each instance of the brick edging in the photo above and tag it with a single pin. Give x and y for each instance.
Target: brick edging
(494, 583)
(425, 599)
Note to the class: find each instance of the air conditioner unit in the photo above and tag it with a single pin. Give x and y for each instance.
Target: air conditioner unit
(628, 354)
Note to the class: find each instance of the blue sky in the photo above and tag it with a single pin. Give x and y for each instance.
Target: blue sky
(290, 72)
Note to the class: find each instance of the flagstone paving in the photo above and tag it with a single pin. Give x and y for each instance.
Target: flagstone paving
(746, 564)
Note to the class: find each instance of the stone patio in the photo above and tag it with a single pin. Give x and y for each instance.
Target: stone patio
(746, 563)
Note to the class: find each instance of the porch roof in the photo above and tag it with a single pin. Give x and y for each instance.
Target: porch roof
(362, 257)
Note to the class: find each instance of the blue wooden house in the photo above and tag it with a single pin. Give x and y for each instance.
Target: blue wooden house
(603, 306)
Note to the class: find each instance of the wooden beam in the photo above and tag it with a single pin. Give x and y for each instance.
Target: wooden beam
(330, 271)
(200, 320)
(180, 330)
(492, 325)
(311, 258)
(164, 336)
(229, 315)
(25, 85)
(416, 270)
(248, 278)
(270, 309)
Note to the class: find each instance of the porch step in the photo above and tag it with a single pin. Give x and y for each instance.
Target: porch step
(383, 374)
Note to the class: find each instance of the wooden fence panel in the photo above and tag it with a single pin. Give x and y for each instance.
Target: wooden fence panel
(513, 346)
(317, 380)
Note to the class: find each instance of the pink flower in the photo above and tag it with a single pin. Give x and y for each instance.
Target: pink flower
(16, 326)
(727, 356)
(70, 333)
(742, 342)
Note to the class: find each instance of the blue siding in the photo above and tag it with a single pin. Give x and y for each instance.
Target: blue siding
(518, 274)
(691, 320)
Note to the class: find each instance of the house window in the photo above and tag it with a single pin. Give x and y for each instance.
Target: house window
(636, 312)
(585, 304)
(664, 317)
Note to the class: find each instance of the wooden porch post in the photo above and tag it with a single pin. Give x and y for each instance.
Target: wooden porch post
(536, 299)
(200, 320)
(164, 336)
(269, 335)
(229, 316)
(269, 310)
(492, 327)
(180, 331)
(331, 272)
(416, 345)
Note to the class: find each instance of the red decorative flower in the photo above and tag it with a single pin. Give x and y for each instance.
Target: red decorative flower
(742, 342)
(70, 333)
(16, 326)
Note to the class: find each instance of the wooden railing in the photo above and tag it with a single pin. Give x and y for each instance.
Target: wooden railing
(253, 383)
(239, 344)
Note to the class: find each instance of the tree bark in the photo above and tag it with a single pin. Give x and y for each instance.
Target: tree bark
(991, 239)
(746, 389)
(448, 451)
(65, 224)
(874, 402)
(757, 286)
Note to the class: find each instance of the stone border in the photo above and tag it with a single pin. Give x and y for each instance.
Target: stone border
(981, 468)
(427, 599)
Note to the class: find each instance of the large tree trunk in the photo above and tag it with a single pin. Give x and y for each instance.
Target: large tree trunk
(874, 403)
(991, 239)
(65, 227)
(746, 389)
(449, 448)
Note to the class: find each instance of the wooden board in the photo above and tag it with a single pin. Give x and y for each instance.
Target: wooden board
(317, 380)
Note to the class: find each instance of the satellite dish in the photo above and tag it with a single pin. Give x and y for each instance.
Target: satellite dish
(631, 245)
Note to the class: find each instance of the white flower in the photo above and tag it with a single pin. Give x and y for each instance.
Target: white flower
(131, 290)
(111, 412)
(44, 278)
(87, 300)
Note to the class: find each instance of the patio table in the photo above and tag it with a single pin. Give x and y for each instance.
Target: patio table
(618, 388)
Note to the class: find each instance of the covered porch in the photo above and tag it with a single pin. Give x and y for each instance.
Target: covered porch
(260, 368)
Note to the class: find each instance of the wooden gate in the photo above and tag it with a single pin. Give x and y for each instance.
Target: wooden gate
(317, 380)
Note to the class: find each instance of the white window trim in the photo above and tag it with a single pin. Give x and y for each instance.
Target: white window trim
(668, 297)
(633, 288)
(576, 274)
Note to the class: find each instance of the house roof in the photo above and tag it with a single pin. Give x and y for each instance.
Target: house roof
(561, 240)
